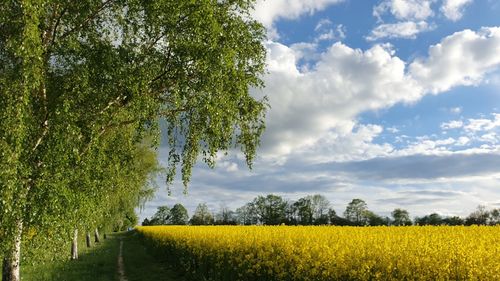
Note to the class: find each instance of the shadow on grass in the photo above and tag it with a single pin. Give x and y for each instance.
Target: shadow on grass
(142, 265)
(99, 263)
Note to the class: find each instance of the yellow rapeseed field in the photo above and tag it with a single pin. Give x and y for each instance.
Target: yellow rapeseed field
(329, 253)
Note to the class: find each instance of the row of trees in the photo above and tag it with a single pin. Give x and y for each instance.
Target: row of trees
(309, 210)
(83, 87)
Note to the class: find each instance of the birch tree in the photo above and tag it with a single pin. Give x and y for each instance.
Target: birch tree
(75, 72)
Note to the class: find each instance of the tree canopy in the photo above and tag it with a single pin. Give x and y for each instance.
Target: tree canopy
(84, 82)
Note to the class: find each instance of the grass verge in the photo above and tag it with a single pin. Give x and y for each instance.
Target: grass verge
(99, 263)
(141, 265)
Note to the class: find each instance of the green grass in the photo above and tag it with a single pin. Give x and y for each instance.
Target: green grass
(140, 265)
(99, 263)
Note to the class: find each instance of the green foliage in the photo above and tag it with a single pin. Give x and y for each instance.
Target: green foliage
(202, 215)
(356, 212)
(271, 210)
(83, 85)
(162, 216)
(401, 217)
(178, 215)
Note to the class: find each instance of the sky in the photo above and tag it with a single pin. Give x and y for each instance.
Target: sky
(396, 102)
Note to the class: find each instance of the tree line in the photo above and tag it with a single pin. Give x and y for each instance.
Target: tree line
(309, 210)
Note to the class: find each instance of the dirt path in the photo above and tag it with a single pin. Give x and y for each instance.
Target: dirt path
(121, 267)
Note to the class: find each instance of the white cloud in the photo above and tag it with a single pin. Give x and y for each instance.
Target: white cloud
(405, 9)
(426, 147)
(492, 138)
(323, 23)
(452, 125)
(307, 106)
(454, 9)
(327, 31)
(462, 58)
(407, 29)
(456, 110)
(393, 130)
(483, 124)
(350, 144)
(462, 141)
(336, 33)
(316, 105)
(268, 11)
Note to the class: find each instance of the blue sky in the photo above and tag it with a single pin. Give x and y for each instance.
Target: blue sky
(396, 102)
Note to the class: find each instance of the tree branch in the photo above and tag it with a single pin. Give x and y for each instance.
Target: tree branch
(165, 71)
(103, 130)
(54, 31)
(45, 123)
(92, 15)
(111, 103)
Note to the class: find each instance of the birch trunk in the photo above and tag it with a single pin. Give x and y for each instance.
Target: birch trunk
(96, 236)
(74, 246)
(87, 239)
(11, 262)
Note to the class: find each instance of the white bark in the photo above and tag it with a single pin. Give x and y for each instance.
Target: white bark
(96, 236)
(74, 246)
(87, 239)
(11, 263)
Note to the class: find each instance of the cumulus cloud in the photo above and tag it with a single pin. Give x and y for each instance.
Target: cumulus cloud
(405, 9)
(356, 143)
(452, 125)
(268, 11)
(407, 29)
(454, 9)
(483, 124)
(306, 106)
(462, 58)
(327, 31)
(481, 130)
(320, 102)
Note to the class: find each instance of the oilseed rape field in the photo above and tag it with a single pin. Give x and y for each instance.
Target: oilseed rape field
(328, 252)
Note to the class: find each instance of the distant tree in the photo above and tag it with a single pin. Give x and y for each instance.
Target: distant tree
(145, 222)
(375, 220)
(479, 217)
(331, 215)
(453, 221)
(225, 216)
(179, 215)
(202, 215)
(270, 209)
(291, 217)
(129, 221)
(400, 217)
(340, 221)
(320, 207)
(247, 214)
(356, 212)
(432, 219)
(495, 217)
(162, 216)
(304, 211)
